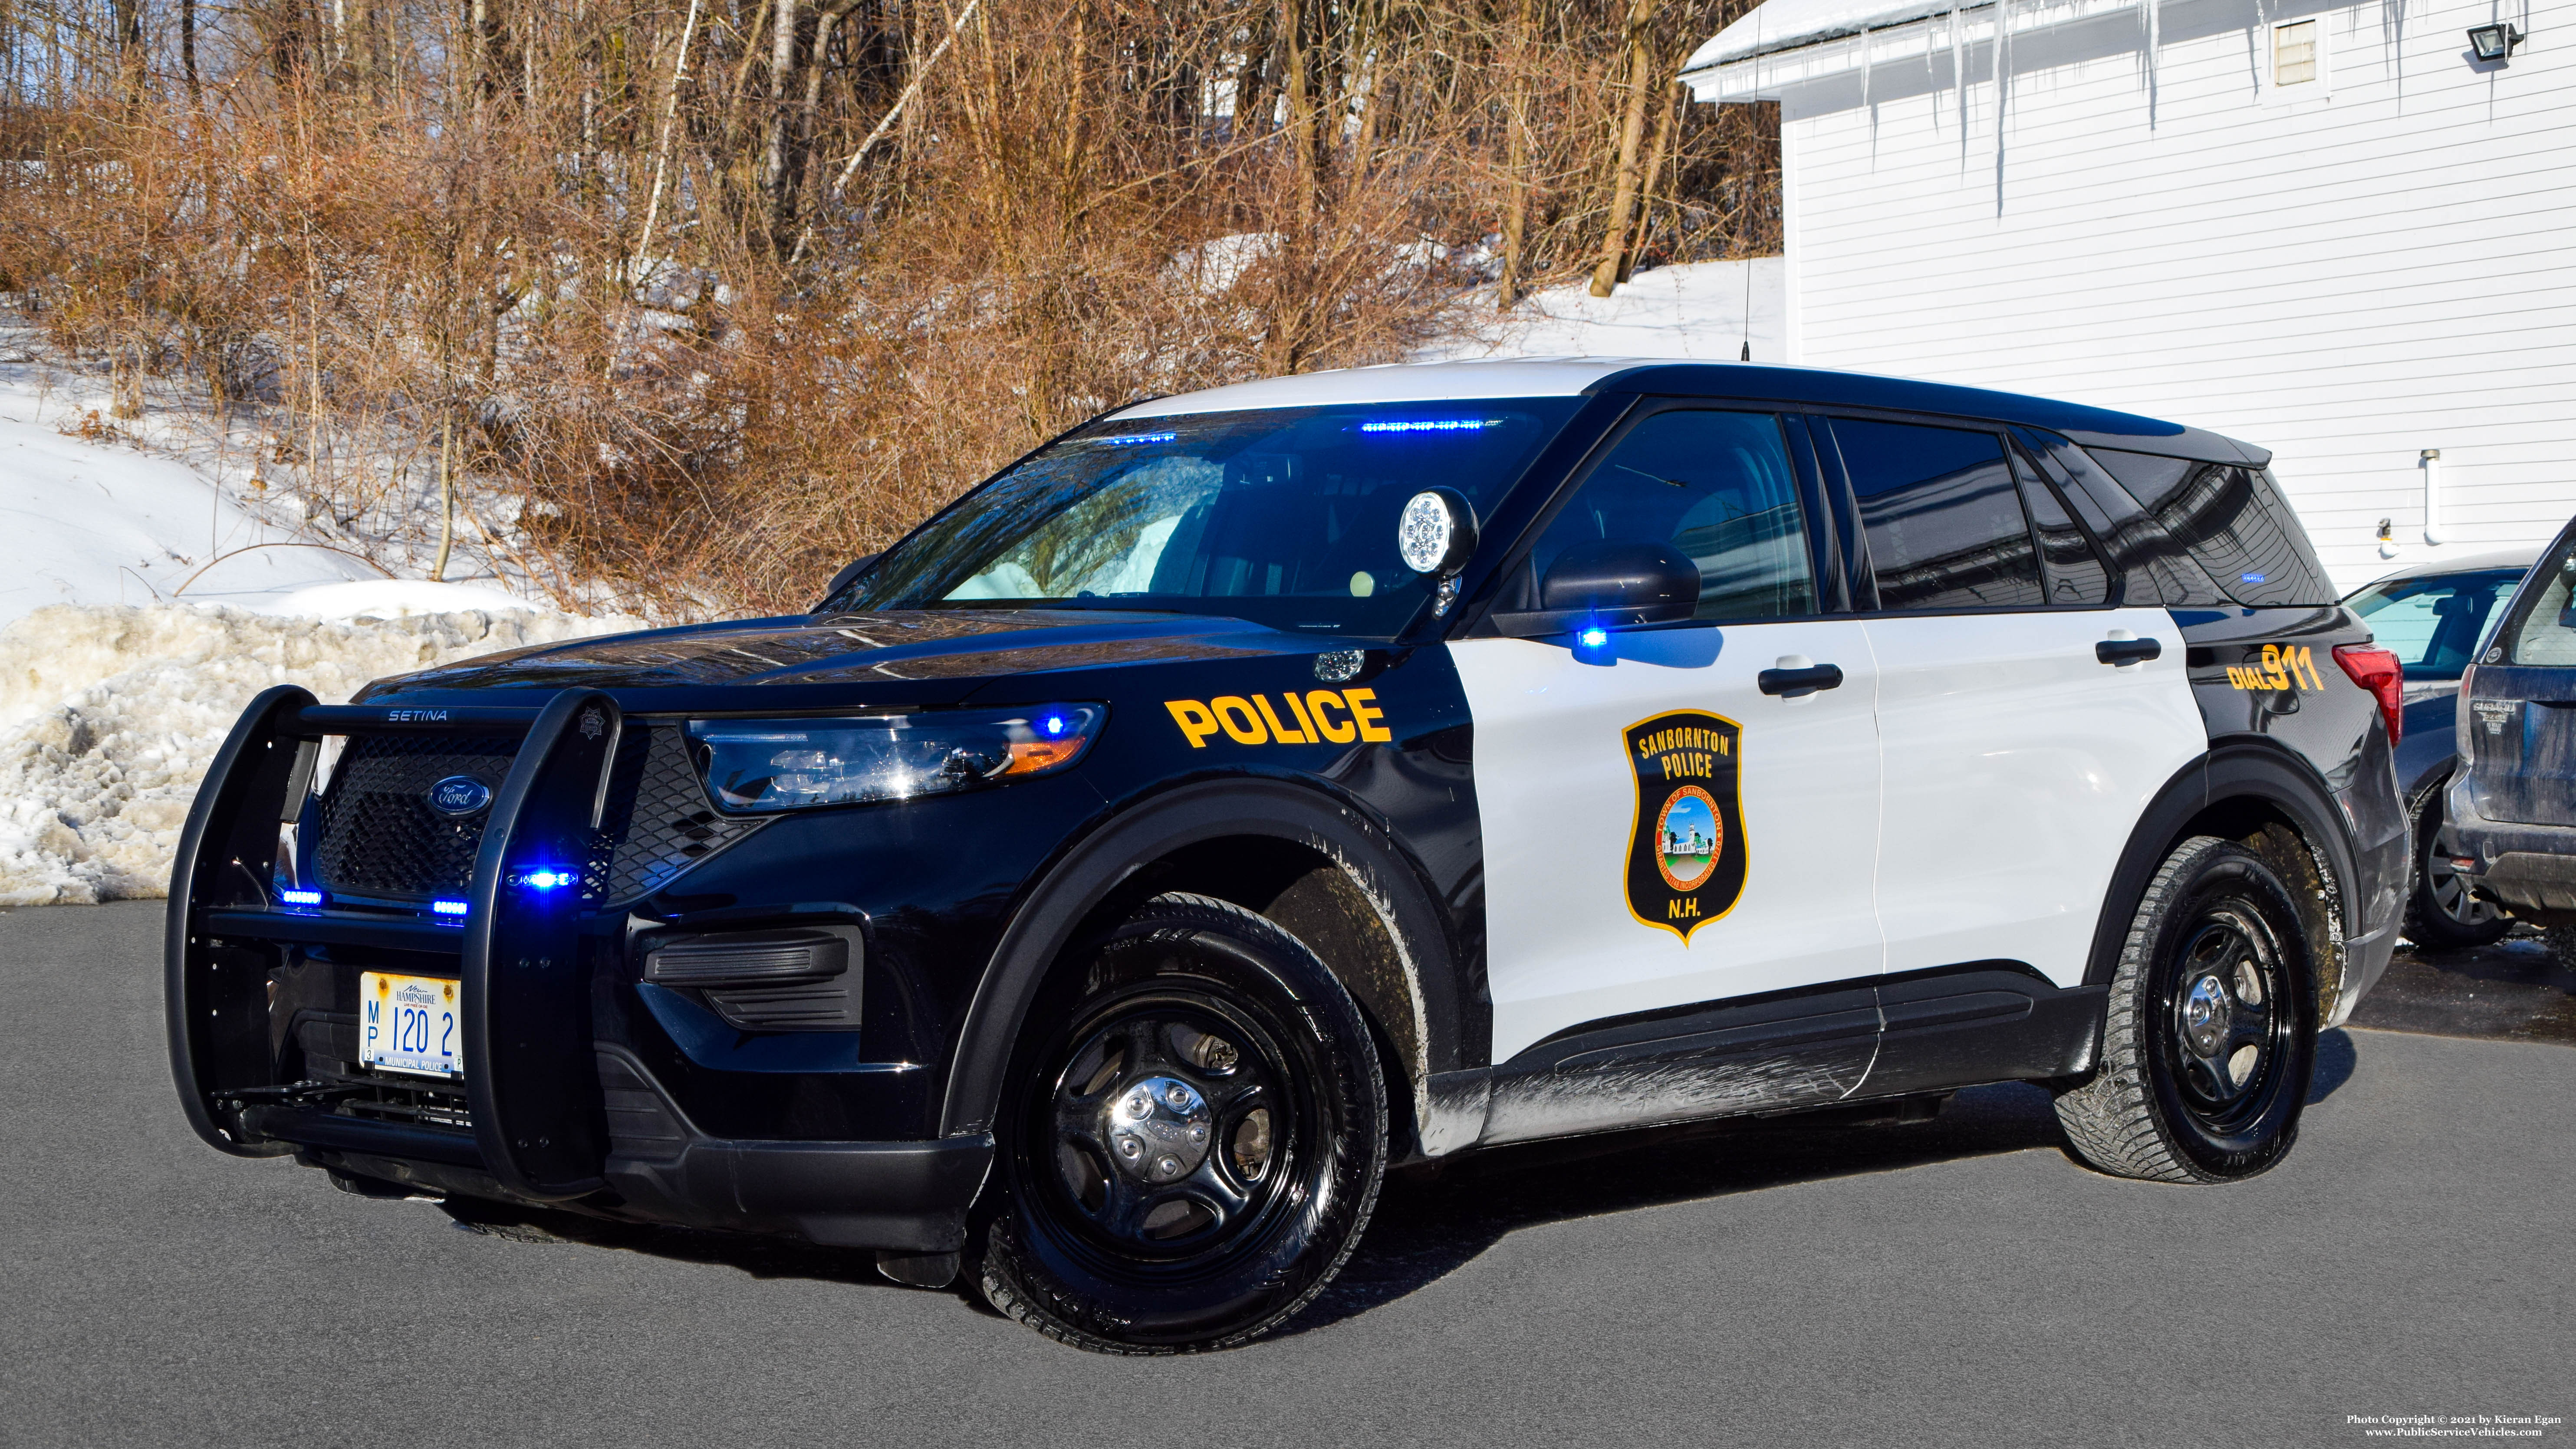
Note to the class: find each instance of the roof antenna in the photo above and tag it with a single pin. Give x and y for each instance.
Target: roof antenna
(1748, 311)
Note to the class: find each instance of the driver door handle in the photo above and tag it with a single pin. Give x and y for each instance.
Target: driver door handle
(1796, 681)
(2117, 651)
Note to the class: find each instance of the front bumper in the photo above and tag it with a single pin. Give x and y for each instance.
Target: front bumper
(549, 1111)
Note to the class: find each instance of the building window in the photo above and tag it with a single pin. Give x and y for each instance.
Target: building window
(2294, 53)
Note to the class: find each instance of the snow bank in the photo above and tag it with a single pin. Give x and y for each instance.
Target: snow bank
(109, 714)
(1706, 311)
(102, 522)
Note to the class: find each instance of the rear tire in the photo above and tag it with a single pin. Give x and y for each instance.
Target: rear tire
(2210, 1042)
(1192, 1141)
(2440, 911)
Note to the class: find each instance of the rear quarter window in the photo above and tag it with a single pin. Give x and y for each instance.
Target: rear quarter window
(2233, 520)
(2543, 630)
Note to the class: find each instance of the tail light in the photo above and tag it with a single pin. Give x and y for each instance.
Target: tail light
(2378, 671)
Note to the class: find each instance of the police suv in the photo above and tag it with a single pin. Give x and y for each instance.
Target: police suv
(1252, 791)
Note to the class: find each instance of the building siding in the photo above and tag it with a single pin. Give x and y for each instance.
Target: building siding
(2346, 279)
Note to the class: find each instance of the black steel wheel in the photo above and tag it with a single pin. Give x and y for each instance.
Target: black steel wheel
(1193, 1141)
(2210, 1041)
(2440, 912)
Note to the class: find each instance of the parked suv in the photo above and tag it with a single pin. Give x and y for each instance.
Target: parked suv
(2513, 804)
(2432, 616)
(1252, 790)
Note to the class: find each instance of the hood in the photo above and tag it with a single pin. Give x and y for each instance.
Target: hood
(944, 644)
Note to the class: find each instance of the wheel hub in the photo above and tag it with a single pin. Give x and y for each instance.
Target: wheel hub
(1159, 1130)
(2207, 1013)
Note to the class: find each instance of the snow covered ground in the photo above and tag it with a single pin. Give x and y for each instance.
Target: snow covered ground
(152, 586)
(1707, 311)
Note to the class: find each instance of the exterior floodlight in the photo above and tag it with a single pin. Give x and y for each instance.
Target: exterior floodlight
(2494, 42)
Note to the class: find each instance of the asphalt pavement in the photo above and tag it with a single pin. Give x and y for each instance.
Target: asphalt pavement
(1955, 1282)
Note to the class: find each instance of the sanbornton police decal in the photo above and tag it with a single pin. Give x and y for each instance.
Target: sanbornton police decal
(1686, 851)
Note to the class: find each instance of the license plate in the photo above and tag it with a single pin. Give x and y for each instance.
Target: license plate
(410, 1024)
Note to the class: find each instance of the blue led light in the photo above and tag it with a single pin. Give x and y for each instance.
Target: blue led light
(1595, 637)
(300, 898)
(1135, 438)
(546, 880)
(1427, 425)
(448, 908)
(1053, 724)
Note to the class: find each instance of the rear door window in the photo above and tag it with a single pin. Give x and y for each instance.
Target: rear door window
(2076, 574)
(2232, 519)
(1942, 515)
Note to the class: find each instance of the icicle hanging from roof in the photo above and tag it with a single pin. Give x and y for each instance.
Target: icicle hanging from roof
(1959, 77)
(2003, 84)
(2155, 27)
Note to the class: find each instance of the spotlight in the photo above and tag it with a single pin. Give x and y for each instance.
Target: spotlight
(2494, 42)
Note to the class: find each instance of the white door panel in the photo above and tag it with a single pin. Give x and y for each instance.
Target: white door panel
(1558, 795)
(2017, 764)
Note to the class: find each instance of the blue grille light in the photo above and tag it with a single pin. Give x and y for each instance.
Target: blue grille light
(448, 908)
(1595, 637)
(300, 898)
(1426, 425)
(546, 880)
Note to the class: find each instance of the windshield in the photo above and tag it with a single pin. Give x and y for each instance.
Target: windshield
(1285, 517)
(2432, 623)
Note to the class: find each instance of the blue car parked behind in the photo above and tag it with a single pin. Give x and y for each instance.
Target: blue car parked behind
(2431, 615)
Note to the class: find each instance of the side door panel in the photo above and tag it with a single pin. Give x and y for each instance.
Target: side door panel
(1559, 793)
(2017, 763)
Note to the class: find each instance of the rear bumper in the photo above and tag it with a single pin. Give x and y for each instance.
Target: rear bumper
(2529, 870)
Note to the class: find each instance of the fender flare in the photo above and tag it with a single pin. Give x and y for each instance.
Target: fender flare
(1065, 896)
(2233, 769)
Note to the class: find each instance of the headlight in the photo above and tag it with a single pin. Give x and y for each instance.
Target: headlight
(787, 764)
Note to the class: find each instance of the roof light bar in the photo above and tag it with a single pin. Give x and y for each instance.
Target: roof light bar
(1427, 425)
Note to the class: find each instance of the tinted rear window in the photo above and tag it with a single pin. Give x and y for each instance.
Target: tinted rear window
(2232, 519)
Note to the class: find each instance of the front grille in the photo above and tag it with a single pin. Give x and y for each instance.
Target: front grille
(659, 820)
(380, 837)
(379, 834)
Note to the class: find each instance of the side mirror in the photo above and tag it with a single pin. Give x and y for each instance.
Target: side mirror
(1436, 533)
(1621, 584)
(849, 571)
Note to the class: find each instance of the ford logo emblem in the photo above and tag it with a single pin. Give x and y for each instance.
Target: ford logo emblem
(459, 795)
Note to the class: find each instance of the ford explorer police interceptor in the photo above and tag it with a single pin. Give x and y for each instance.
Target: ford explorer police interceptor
(1250, 791)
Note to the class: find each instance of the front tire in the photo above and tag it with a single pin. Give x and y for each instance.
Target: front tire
(2440, 911)
(1192, 1142)
(2210, 1042)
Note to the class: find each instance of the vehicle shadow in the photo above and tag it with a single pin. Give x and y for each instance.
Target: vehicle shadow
(1433, 1220)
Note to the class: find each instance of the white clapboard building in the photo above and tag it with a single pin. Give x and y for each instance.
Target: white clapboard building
(2325, 227)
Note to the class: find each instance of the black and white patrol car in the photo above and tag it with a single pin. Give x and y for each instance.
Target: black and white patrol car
(1252, 791)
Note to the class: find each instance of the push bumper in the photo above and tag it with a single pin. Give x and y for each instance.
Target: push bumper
(556, 1117)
